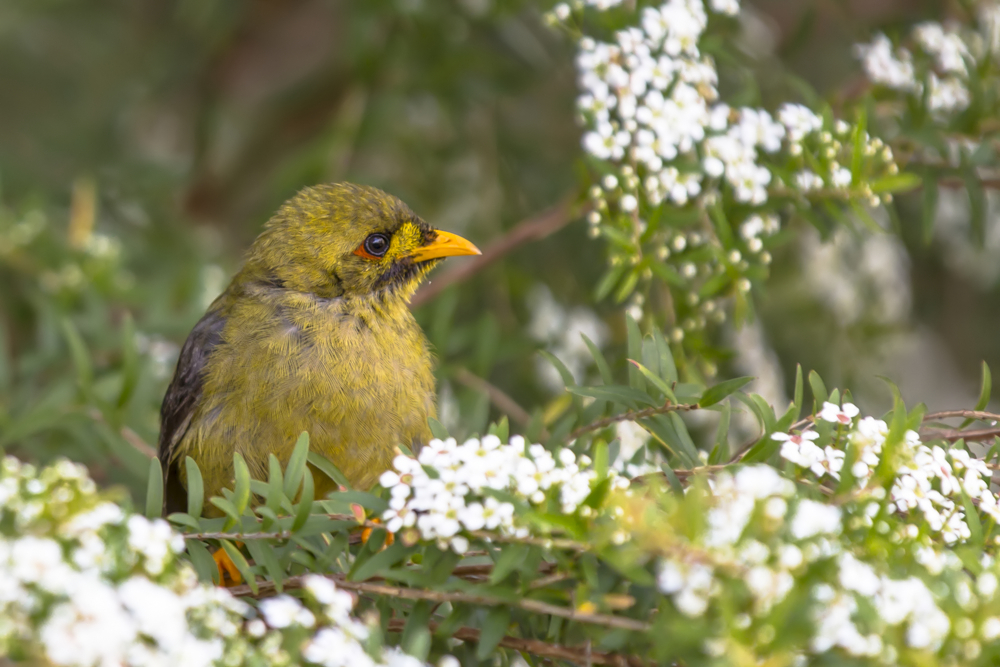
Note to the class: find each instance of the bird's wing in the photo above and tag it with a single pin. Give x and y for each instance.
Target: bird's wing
(180, 403)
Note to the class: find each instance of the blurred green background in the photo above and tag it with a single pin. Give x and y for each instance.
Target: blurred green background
(144, 144)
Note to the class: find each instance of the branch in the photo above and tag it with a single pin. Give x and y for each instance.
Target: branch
(532, 229)
(966, 414)
(951, 435)
(632, 415)
(534, 606)
(580, 655)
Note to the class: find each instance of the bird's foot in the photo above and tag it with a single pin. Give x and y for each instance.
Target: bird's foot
(227, 569)
(367, 532)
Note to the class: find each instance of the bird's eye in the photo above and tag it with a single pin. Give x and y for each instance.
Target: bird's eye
(375, 245)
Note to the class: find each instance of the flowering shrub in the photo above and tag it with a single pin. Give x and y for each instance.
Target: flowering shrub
(691, 190)
(87, 583)
(643, 516)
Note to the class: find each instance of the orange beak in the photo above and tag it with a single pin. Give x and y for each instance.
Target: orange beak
(445, 244)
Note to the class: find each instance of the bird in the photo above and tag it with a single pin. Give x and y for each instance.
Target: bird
(314, 334)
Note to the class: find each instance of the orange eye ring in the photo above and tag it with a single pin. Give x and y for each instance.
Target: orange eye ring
(361, 252)
(374, 247)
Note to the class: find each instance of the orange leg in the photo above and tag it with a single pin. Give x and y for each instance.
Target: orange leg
(367, 532)
(227, 567)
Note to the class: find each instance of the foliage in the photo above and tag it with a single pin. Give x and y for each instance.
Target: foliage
(606, 501)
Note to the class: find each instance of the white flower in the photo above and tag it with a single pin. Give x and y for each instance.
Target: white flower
(813, 518)
(883, 67)
(284, 611)
(838, 415)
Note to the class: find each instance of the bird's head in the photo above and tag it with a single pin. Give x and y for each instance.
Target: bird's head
(349, 240)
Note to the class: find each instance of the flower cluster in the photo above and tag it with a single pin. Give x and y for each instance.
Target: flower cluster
(759, 533)
(663, 139)
(452, 488)
(937, 70)
(84, 583)
(928, 479)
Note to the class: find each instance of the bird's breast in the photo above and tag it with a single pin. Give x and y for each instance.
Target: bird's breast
(358, 379)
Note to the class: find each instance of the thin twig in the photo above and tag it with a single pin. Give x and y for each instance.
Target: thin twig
(966, 414)
(632, 415)
(498, 397)
(532, 229)
(283, 535)
(127, 434)
(951, 435)
(544, 542)
(266, 588)
(578, 655)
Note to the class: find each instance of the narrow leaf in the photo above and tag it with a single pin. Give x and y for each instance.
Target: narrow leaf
(195, 487)
(328, 468)
(720, 391)
(494, 629)
(305, 501)
(241, 563)
(296, 468)
(154, 490)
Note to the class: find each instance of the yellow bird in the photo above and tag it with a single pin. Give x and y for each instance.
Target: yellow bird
(313, 334)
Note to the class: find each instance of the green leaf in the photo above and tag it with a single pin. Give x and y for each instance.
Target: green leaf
(185, 520)
(904, 181)
(79, 354)
(601, 459)
(857, 156)
(395, 553)
(154, 490)
(510, 556)
(202, 561)
(263, 554)
(657, 382)
(501, 429)
(664, 431)
(416, 639)
(818, 388)
(720, 451)
(241, 492)
(668, 369)
(675, 484)
(130, 361)
(564, 373)
(972, 519)
(494, 629)
(720, 391)
(977, 204)
(608, 282)
(241, 563)
(229, 509)
(599, 361)
(195, 487)
(296, 468)
(617, 393)
(627, 286)
(985, 388)
(275, 485)
(798, 392)
(305, 501)
(634, 351)
(722, 227)
(650, 356)
(437, 429)
(328, 468)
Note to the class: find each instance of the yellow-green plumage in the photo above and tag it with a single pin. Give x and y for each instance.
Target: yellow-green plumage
(313, 334)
